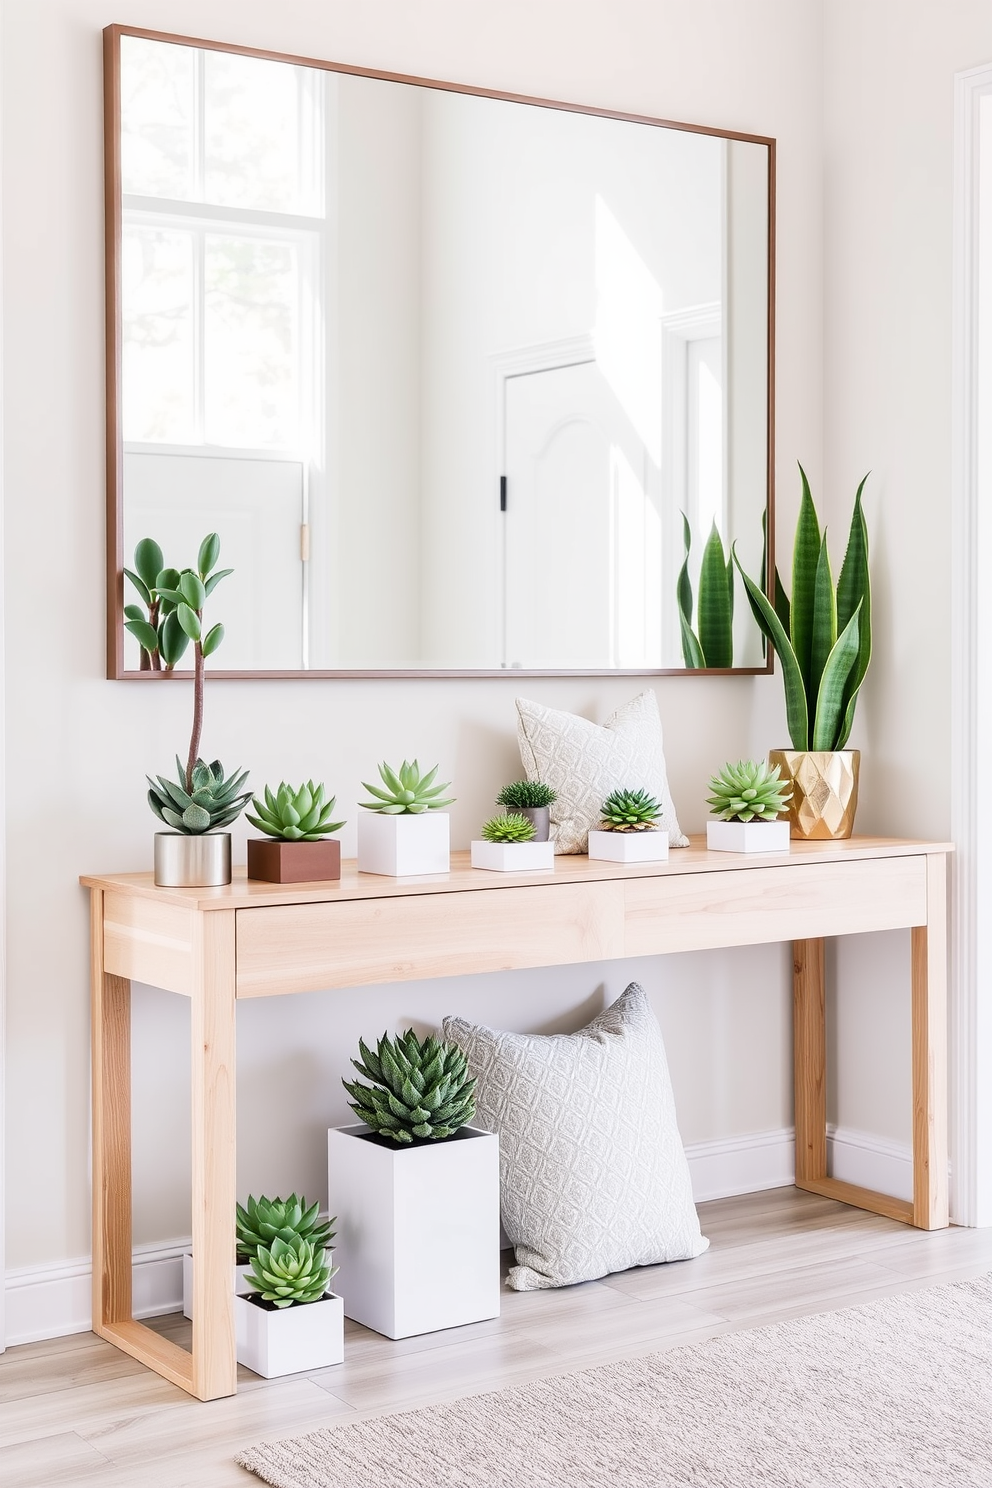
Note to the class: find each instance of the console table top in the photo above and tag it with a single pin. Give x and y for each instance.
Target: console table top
(243, 893)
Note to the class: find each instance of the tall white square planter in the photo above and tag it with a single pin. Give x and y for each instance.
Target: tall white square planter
(288, 1340)
(403, 846)
(417, 1229)
(629, 847)
(241, 1287)
(748, 837)
(514, 857)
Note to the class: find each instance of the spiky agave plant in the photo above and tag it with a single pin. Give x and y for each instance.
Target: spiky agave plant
(290, 1272)
(295, 815)
(711, 644)
(263, 1220)
(630, 811)
(419, 1089)
(533, 794)
(749, 791)
(510, 826)
(406, 790)
(213, 802)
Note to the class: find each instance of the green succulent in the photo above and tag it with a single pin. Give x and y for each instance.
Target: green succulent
(711, 644)
(526, 793)
(749, 791)
(212, 803)
(290, 1272)
(419, 1089)
(264, 1220)
(630, 811)
(406, 791)
(302, 815)
(509, 827)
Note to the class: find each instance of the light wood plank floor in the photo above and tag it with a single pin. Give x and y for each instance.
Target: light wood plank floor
(76, 1411)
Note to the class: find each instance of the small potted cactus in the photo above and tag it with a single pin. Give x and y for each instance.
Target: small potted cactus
(297, 847)
(287, 1320)
(402, 830)
(416, 1191)
(258, 1223)
(748, 800)
(533, 799)
(509, 845)
(628, 831)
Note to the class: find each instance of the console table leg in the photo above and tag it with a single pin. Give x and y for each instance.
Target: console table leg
(929, 978)
(111, 1056)
(809, 1061)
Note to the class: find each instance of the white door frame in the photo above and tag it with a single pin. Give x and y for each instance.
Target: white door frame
(971, 655)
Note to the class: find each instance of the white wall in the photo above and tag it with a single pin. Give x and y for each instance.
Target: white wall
(78, 746)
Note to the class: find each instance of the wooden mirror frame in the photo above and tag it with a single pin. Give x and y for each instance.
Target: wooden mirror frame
(116, 670)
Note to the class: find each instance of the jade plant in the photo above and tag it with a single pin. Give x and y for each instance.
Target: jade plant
(406, 791)
(289, 1273)
(822, 636)
(420, 1089)
(510, 826)
(300, 814)
(630, 811)
(263, 1220)
(526, 794)
(155, 627)
(711, 644)
(749, 791)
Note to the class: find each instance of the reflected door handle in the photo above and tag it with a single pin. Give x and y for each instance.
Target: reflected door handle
(304, 542)
(502, 493)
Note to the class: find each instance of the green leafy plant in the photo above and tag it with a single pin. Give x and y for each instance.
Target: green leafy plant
(295, 815)
(509, 827)
(290, 1272)
(407, 790)
(264, 1220)
(822, 636)
(712, 643)
(419, 1089)
(749, 791)
(155, 627)
(209, 803)
(630, 811)
(532, 794)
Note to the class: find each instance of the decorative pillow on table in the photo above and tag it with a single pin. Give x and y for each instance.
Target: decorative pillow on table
(593, 1175)
(585, 761)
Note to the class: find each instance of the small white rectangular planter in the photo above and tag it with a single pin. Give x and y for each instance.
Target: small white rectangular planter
(241, 1288)
(288, 1340)
(748, 837)
(629, 847)
(514, 857)
(417, 1229)
(403, 846)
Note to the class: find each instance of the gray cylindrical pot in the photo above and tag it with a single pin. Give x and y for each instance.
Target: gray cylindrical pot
(192, 862)
(540, 816)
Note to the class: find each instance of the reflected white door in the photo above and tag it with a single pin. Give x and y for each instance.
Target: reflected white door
(582, 519)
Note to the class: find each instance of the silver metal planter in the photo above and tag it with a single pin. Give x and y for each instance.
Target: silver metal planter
(192, 862)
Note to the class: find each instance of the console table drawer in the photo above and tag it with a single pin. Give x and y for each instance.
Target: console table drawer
(306, 948)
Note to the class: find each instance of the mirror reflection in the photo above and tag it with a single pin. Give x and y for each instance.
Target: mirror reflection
(448, 374)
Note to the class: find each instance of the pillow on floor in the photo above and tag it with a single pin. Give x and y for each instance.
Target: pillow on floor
(585, 761)
(593, 1176)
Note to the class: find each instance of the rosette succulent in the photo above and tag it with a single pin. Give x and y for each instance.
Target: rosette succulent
(406, 790)
(509, 827)
(531, 794)
(301, 814)
(630, 811)
(419, 1089)
(290, 1272)
(749, 791)
(264, 1220)
(205, 803)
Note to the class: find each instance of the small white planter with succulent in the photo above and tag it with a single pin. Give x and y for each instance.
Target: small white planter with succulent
(287, 1321)
(509, 845)
(258, 1223)
(628, 832)
(748, 801)
(402, 831)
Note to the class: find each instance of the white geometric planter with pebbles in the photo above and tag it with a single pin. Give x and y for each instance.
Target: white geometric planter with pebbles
(748, 837)
(287, 1340)
(403, 846)
(629, 847)
(241, 1288)
(417, 1234)
(514, 857)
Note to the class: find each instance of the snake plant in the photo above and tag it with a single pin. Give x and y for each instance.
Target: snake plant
(749, 791)
(295, 815)
(509, 826)
(712, 643)
(406, 791)
(822, 636)
(290, 1272)
(419, 1089)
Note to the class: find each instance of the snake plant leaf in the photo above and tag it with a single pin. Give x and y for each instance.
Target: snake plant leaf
(829, 716)
(139, 584)
(805, 560)
(208, 554)
(148, 561)
(189, 620)
(146, 635)
(192, 590)
(684, 586)
(212, 639)
(716, 637)
(781, 602)
(824, 618)
(796, 710)
(853, 588)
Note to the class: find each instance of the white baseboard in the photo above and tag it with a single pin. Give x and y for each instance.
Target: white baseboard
(50, 1301)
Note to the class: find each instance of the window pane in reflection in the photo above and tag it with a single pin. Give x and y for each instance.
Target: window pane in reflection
(157, 108)
(159, 364)
(259, 128)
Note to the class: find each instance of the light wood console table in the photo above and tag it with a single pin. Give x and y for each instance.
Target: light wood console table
(254, 939)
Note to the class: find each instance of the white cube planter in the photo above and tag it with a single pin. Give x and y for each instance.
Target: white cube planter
(514, 857)
(288, 1340)
(417, 1234)
(241, 1288)
(403, 846)
(748, 837)
(629, 847)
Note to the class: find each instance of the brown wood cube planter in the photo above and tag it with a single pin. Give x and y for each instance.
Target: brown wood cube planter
(293, 862)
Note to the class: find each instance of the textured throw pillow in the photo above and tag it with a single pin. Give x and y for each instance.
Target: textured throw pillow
(593, 1176)
(585, 761)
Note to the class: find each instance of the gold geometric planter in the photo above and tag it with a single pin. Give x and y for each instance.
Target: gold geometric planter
(824, 790)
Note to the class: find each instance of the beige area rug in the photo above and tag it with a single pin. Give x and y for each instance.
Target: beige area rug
(892, 1394)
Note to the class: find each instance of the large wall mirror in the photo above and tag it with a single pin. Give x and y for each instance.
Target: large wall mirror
(456, 378)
